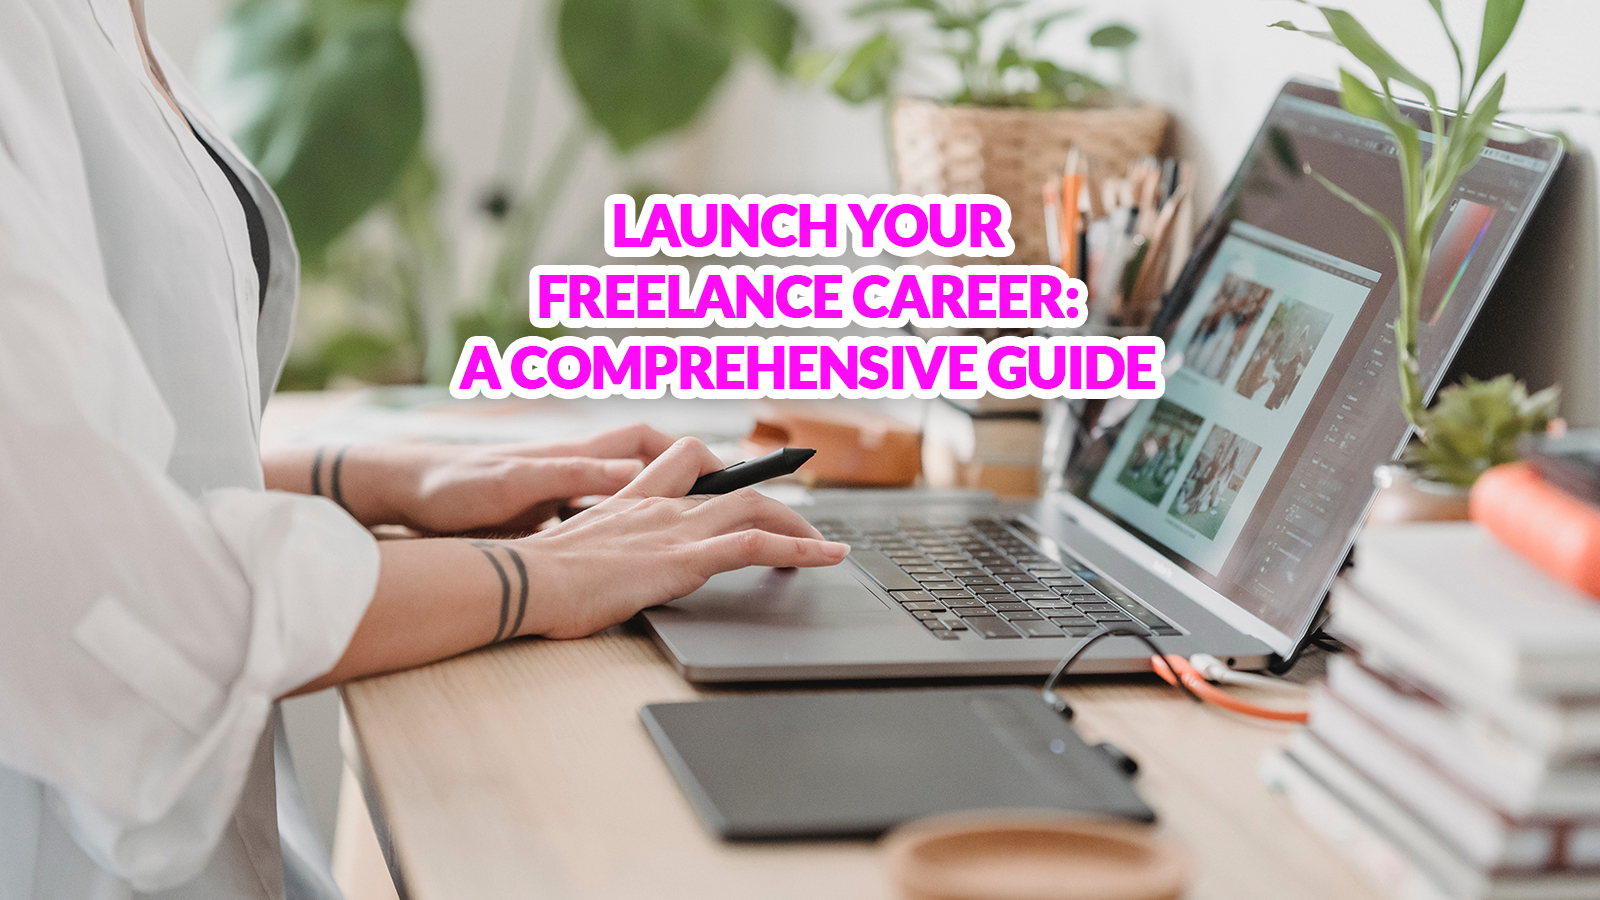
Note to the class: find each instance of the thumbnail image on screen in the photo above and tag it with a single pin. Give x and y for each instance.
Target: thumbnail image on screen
(1283, 354)
(1227, 322)
(1162, 447)
(1214, 481)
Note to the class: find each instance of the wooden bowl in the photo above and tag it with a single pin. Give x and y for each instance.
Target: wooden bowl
(1032, 856)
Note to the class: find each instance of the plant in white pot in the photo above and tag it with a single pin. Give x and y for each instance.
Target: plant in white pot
(1476, 424)
(1013, 112)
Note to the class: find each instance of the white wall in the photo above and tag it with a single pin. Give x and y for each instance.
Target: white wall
(1214, 62)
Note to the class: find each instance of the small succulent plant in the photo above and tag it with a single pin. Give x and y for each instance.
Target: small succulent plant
(1476, 424)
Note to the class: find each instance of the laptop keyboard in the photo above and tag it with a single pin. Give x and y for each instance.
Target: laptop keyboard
(980, 579)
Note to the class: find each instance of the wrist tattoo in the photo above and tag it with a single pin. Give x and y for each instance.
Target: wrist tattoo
(488, 548)
(335, 486)
(333, 480)
(316, 471)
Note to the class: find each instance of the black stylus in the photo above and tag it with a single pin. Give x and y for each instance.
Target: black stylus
(752, 471)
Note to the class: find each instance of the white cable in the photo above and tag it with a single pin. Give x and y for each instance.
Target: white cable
(1217, 672)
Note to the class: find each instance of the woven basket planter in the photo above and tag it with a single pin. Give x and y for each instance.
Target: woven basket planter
(942, 149)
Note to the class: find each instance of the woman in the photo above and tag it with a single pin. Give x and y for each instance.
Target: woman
(160, 584)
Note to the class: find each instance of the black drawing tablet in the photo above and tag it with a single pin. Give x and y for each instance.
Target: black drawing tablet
(818, 765)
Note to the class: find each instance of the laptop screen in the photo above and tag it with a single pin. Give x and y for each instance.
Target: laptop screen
(1254, 471)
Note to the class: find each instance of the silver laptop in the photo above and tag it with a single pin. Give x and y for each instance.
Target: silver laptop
(1212, 519)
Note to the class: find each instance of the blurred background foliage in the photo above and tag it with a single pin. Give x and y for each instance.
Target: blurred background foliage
(326, 98)
(991, 47)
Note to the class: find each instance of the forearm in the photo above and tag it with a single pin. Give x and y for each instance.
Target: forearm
(358, 477)
(437, 598)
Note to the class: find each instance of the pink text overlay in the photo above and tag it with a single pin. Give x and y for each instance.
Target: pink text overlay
(807, 225)
(825, 296)
(811, 367)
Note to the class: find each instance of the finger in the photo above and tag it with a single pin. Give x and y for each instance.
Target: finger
(748, 508)
(674, 471)
(755, 547)
(633, 442)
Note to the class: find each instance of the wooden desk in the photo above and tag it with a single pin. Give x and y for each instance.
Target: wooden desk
(523, 771)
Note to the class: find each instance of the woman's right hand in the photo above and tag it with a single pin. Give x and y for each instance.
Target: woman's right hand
(649, 544)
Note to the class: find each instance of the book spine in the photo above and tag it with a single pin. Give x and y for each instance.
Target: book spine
(1414, 602)
(1385, 865)
(1547, 526)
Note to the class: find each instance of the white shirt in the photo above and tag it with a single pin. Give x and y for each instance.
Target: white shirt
(154, 599)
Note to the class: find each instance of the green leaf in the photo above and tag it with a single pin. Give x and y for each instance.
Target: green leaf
(1472, 132)
(1046, 21)
(642, 68)
(1115, 36)
(808, 66)
(1328, 36)
(328, 107)
(881, 7)
(1357, 98)
(869, 73)
(1455, 47)
(1361, 44)
(768, 27)
(1059, 87)
(1009, 58)
(1499, 20)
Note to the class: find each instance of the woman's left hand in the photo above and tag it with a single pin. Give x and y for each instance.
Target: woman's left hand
(500, 489)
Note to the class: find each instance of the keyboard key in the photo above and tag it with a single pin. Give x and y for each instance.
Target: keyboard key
(1037, 595)
(911, 596)
(927, 580)
(1108, 617)
(951, 595)
(991, 627)
(1166, 631)
(1038, 629)
(1028, 616)
(1077, 590)
(1055, 606)
(1060, 581)
(965, 603)
(987, 589)
(926, 614)
(955, 625)
(923, 570)
(1010, 607)
(930, 606)
(1068, 618)
(1080, 630)
(970, 580)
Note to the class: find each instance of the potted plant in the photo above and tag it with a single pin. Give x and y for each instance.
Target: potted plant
(1013, 113)
(1474, 425)
(326, 98)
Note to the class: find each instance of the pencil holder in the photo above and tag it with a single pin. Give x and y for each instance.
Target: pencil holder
(944, 149)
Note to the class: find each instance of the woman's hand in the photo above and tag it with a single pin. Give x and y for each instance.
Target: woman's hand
(644, 546)
(649, 544)
(504, 489)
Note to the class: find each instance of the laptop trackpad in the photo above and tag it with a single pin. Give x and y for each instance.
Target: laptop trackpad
(833, 595)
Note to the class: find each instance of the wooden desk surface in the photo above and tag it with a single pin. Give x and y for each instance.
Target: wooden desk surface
(523, 771)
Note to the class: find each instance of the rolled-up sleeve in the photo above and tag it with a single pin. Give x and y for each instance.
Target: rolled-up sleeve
(144, 633)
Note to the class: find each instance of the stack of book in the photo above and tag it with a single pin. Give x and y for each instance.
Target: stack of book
(1455, 752)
